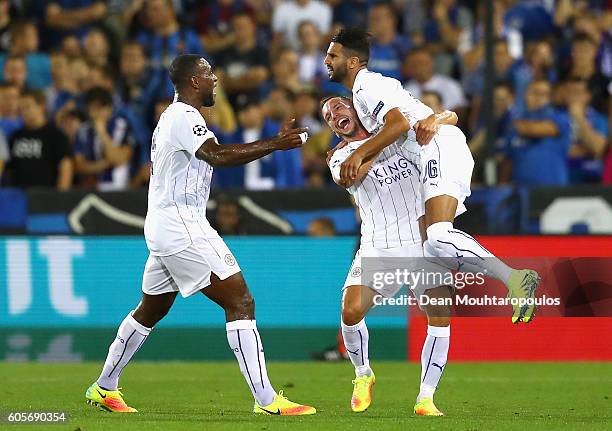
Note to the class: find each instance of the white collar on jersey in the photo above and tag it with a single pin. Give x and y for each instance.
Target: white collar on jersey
(357, 85)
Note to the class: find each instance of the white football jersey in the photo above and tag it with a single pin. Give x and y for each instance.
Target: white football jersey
(388, 197)
(374, 95)
(180, 183)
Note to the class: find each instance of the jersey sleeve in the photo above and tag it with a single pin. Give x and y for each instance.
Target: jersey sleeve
(382, 94)
(190, 132)
(378, 97)
(336, 160)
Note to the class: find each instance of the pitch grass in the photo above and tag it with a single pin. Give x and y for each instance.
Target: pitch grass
(214, 396)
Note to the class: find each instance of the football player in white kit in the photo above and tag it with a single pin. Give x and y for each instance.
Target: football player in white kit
(389, 112)
(186, 254)
(387, 194)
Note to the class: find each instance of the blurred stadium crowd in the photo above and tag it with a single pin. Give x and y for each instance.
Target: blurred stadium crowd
(83, 82)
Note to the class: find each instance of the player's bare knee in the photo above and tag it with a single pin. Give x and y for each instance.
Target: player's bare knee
(149, 314)
(351, 314)
(243, 305)
(439, 321)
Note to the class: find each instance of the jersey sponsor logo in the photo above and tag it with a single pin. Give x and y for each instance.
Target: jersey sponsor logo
(377, 109)
(390, 173)
(230, 260)
(199, 130)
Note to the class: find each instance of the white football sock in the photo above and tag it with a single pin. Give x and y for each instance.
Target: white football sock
(244, 340)
(356, 339)
(130, 336)
(457, 250)
(433, 359)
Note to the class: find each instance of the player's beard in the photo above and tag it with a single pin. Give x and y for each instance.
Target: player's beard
(209, 100)
(338, 74)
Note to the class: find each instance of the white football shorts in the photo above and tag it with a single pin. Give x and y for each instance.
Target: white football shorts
(446, 166)
(189, 271)
(377, 268)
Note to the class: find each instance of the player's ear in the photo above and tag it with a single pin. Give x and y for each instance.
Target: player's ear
(194, 82)
(354, 62)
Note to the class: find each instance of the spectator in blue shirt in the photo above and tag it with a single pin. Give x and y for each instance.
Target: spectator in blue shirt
(539, 63)
(15, 71)
(539, 141)
(24, 43)
(165, 39)
(442, 32)
(589, 133)
(10, 119)
(387, 47)
(531, 18)
(281, 169)
(105, 144)
(139, 83)
(72, 17)
(503, 115)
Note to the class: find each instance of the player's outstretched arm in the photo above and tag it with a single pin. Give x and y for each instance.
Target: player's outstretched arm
(239, 154)
(395, 124)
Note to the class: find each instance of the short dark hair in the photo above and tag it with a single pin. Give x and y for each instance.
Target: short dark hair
(387, 5)
(505, 84)
(326, 223)
(333, 96)
(433, 93)
(99, 95)
(583, 37)
(134, 43)
(38, 96)
(418, 50)
(182, 68)
(304, 23)
(13, 57)
(4, 85)
(354, 40)
(287, 93)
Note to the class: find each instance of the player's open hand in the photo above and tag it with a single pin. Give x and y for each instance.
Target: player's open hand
(425, 129)
(350, 167)
(289, 137)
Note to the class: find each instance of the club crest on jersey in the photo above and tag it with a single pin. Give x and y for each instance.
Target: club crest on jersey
(377, 109)
(199, 130)
(230, 260)
(356, 272)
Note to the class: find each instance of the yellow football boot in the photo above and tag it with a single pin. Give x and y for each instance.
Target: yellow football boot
(362, 393)
(522, 285)
(111, 401)
(426, 407)
(283, 407)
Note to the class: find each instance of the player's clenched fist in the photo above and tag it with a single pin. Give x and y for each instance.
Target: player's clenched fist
(290, 137)
(350, 167)
(426, 129)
